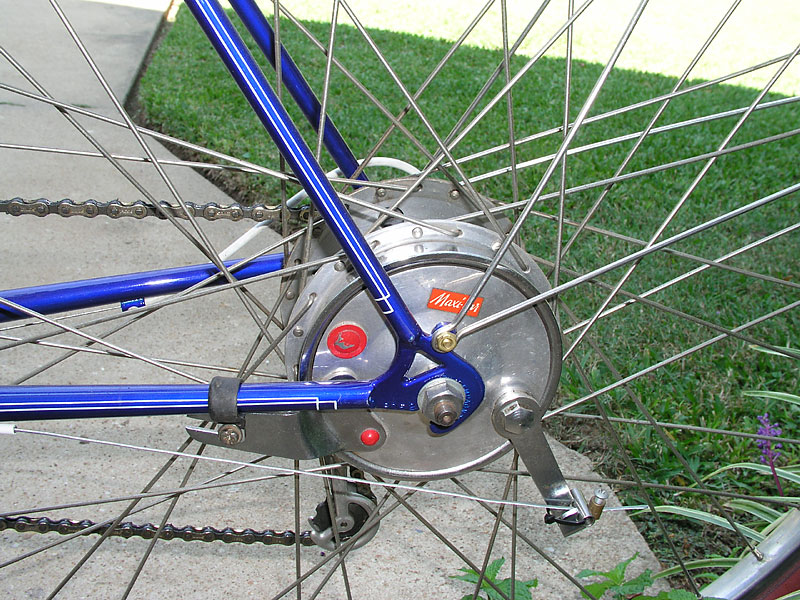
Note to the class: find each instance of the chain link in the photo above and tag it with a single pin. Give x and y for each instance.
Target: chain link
(138, 210)
(115, 209)
(228, 535)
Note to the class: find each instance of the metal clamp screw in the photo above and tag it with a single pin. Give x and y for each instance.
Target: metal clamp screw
(231, 434)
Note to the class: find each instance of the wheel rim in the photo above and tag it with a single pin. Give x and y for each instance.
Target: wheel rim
(602, 364)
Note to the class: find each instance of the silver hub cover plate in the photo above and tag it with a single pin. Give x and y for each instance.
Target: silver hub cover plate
(344, 335)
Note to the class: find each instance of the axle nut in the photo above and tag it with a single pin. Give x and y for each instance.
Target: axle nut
(441, 400)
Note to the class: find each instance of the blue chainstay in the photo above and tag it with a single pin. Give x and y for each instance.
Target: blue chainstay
(391, 391)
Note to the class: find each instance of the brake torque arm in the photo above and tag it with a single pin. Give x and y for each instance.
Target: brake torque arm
(518, 417)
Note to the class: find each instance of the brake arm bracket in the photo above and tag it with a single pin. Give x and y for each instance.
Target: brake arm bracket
(518, 417)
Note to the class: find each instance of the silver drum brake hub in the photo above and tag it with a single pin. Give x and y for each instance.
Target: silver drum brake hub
(344, 336)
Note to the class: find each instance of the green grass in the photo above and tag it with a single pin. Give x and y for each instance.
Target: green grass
(186, 93)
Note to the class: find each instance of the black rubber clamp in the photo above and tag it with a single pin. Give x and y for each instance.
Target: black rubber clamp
(222, 393)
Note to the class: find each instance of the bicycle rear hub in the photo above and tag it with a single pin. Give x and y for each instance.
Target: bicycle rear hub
(342, 335)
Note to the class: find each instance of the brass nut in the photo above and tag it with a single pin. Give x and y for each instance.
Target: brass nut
(598, 503)
(445, 341)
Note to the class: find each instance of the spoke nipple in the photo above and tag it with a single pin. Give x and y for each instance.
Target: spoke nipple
(598, 502)
(231, 434)
(454, 194)
(444, 341)
(380, 192)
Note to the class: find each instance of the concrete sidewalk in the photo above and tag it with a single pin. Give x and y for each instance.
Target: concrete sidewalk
(398, 563)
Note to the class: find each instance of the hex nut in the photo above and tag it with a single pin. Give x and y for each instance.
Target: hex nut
(444, 341)
(441, 400)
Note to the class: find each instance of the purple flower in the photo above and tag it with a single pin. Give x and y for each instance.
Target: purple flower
(769, 449)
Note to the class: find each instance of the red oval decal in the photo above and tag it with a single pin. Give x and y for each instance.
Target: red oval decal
(453, 302)
(347, 341)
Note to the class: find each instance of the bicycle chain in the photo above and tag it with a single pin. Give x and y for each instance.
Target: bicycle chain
(115, 209)
(148, 531)
(139, 210)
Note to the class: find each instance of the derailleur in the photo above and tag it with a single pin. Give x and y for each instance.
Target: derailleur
(353, 504)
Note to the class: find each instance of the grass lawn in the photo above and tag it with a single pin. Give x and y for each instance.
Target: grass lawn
(186, 93)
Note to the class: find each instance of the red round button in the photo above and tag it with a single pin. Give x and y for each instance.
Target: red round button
(370, 437)
(347, 341)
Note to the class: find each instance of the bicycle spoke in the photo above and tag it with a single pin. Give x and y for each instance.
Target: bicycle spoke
(635, 256)
(682, 200)
(473, 195)
(160, 529)
(96, 340)
(642, 298)
(338, 554)
(631, 107)
(247, 299)
(373, 151)
(421, 519)
(243, 165)
(515, 127)
(562, 187)
(709, 430)
(454, 139)
(676, 453)
(650, 125)
(298, 567)
(528, 541)
(490, 545)
(778, 500)
(672, 359)
(587, 105)
(634, 473)
(360, 86)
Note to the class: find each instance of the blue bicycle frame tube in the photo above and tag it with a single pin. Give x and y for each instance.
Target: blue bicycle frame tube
(87, 293)
(262, 98)
(295, 83)
(27, 403)
(392, 391)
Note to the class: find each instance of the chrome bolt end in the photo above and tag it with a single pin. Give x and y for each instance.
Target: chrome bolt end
(445, 413)
(513, 412)
(231, 435)
(441, 401)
